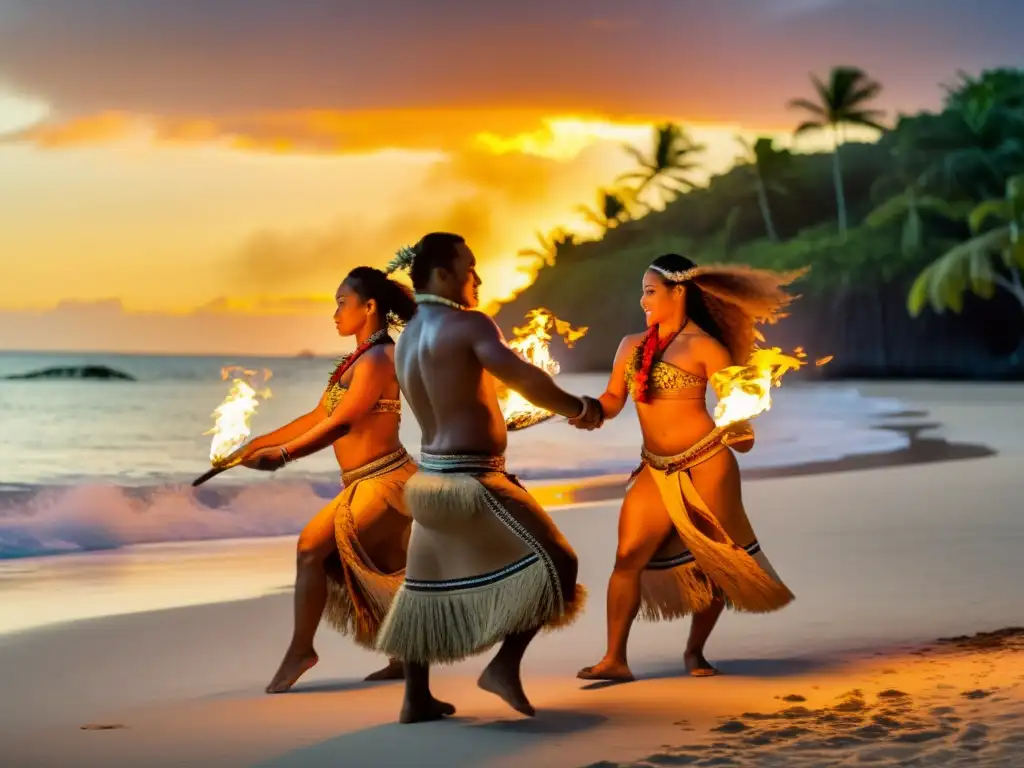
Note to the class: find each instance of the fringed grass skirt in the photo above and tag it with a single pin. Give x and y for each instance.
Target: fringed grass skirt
(485, 562)
(358, 592)
(710, 566)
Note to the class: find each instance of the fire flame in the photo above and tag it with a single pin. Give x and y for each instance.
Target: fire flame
(231, 417)
(531, 343)
(744, 391)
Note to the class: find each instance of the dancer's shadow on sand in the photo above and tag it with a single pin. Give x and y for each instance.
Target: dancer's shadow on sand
(340, 685)
(920, 449)
(456, 741)
(334, 685)
(762, 668)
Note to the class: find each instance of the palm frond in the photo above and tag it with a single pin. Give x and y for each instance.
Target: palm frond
(943, 283)
(809, 106)
(889, 212)
(633, 175)
(824, 94)
(636, 154)
(867, 118)
(807, 126)
(912, 234)
(999, 209)
(864, 92)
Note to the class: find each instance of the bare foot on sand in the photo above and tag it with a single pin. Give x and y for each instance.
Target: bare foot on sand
(422, 712)
(698, 666)
(294, 666)
(395, 670)
(607, 670)
(505, 684)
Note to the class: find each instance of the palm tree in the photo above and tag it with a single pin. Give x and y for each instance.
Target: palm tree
(843, 101)
(905, 195)
(611, 210)
(1003, 86)
(548, 246)
(989, 260)
(669, 165)
(768, 166)
(982, 148)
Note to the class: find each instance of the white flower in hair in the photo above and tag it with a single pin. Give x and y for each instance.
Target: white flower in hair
(402, 260)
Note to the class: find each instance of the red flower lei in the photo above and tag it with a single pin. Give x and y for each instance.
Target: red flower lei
(349, 360)
(649, 348)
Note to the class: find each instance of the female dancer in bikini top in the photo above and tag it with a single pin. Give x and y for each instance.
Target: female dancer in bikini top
(686, 546)
(351, 555)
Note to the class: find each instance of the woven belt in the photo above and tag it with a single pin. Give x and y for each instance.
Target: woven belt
(461, 462)
(380, 466)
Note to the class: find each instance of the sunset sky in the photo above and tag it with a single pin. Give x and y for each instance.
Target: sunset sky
(178, 175)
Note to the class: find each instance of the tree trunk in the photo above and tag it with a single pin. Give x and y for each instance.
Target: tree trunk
(766, 211)
(837, 178)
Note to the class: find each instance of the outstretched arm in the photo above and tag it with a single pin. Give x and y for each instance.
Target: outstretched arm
(279, 436)
(528, 380)
(614, 398)
(365, 389)
(715, 356)
(289, 431)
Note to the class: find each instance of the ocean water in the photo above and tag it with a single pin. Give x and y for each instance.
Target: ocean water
(98, 465)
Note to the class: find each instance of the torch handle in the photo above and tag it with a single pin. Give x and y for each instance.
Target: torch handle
(212, 473)
(541, 420)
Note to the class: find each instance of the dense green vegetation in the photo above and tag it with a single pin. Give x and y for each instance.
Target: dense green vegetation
(932, 211)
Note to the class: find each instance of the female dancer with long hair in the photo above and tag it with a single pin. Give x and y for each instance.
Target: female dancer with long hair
(351, 555)
(685, 543)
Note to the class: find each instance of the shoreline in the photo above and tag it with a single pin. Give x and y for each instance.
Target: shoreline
(129, 579)
(558, 493)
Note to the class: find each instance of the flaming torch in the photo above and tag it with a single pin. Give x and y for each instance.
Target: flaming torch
(744, 391)
(231, 418)
(531, 343)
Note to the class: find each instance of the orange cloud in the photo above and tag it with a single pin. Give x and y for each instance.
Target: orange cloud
(334, 131)
(275, 260)
(499, 176)
(484, 197)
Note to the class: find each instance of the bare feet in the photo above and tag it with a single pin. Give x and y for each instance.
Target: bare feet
(395, 670)
(697, 665)
(294, 666)
(505, 684)
(607, 670)
(424, 711)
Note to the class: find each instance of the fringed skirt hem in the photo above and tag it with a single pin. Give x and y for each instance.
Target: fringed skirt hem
(442, 622)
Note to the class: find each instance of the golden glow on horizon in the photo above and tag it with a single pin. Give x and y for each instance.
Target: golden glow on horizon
(563, 138)
(262, 215)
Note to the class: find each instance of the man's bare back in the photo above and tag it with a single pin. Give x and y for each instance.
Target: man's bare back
(472, 523)
(452, 397)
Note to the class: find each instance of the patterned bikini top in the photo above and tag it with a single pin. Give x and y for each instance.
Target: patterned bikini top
(336, 392)
(668, 381)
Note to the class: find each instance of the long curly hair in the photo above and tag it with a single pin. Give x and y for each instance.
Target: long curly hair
(728, 301)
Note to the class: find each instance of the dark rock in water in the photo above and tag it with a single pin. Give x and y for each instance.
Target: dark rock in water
(75, 372)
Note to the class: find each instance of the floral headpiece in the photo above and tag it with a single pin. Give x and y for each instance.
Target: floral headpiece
(678, 276)
(403, 259)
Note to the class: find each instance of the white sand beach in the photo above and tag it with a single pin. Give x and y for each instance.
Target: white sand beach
(883, 560)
